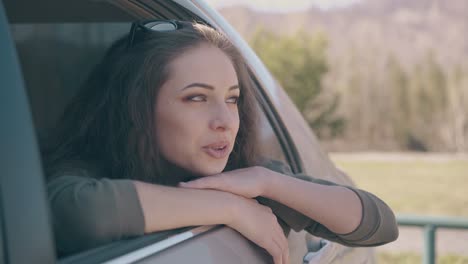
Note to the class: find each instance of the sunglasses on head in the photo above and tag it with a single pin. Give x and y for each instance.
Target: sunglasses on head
(151, 26)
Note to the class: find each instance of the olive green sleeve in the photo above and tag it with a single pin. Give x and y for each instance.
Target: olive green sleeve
(89, 212)
(378, 225)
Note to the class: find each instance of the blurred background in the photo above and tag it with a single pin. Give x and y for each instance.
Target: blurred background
(384, 85)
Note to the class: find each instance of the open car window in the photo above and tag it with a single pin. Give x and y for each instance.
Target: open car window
(55, 60)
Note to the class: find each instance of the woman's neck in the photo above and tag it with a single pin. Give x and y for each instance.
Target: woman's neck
(173, 174)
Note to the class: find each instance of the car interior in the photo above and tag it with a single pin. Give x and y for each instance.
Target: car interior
(56, 54)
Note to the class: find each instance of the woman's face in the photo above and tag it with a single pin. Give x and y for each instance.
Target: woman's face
(196, 111)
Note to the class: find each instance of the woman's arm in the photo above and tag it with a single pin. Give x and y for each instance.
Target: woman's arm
(343, 214)
(168, 208)
(336, 207)
(327, 204)
(88, 212)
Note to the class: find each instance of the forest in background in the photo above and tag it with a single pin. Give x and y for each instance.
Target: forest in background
(382, 75)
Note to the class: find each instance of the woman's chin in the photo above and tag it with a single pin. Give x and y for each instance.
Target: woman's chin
(211, 169)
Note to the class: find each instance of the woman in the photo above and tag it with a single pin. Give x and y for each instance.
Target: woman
(167, 120)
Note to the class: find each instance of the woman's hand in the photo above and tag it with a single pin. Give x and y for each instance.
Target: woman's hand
(254, 221)
(258, 224)
(247, 182)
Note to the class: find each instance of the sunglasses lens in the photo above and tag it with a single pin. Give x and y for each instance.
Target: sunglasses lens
(161, 26)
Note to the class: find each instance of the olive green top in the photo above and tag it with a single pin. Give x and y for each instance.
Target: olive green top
(89, 211)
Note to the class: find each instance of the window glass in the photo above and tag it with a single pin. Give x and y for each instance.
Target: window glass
(269, 144)
(56, 58)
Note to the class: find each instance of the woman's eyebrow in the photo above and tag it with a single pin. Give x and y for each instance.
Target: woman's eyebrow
(207, 86)
(202, 85)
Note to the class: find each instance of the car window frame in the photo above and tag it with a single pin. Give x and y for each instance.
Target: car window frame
(2, 238)
(26, 233)
(283, 137)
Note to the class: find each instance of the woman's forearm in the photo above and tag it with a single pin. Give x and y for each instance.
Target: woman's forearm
(325, 204)
(169, 207)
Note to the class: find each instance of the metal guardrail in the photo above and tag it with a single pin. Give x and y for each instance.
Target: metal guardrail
(430, 225)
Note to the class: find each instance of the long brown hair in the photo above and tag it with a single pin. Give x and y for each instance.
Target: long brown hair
(109, 124)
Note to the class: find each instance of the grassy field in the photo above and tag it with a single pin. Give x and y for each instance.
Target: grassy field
(412, 184)
(412, 258)
(419, 184)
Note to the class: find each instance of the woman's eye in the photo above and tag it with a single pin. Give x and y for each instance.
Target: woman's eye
(196, 98)
(233, 100)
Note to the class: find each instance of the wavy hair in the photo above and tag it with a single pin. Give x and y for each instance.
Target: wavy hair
(109, 124)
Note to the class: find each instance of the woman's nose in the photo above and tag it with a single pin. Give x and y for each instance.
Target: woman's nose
(223, 118)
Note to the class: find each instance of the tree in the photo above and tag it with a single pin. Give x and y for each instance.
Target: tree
(428, 103)
(299, 63)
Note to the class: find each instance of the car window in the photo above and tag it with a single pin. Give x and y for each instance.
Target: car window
(56, 58)
(269, 143)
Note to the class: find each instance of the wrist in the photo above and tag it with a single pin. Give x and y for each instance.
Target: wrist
(231, 209)
(271, 179)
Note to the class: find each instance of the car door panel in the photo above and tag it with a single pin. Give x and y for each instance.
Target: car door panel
(222, 245)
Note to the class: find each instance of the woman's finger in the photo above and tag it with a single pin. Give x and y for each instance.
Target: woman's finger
(278, 238)
(285, 247)
(283, 242)
(275, 251)
(279, 254)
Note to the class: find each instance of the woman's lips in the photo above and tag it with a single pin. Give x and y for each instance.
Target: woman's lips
(217, 150)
